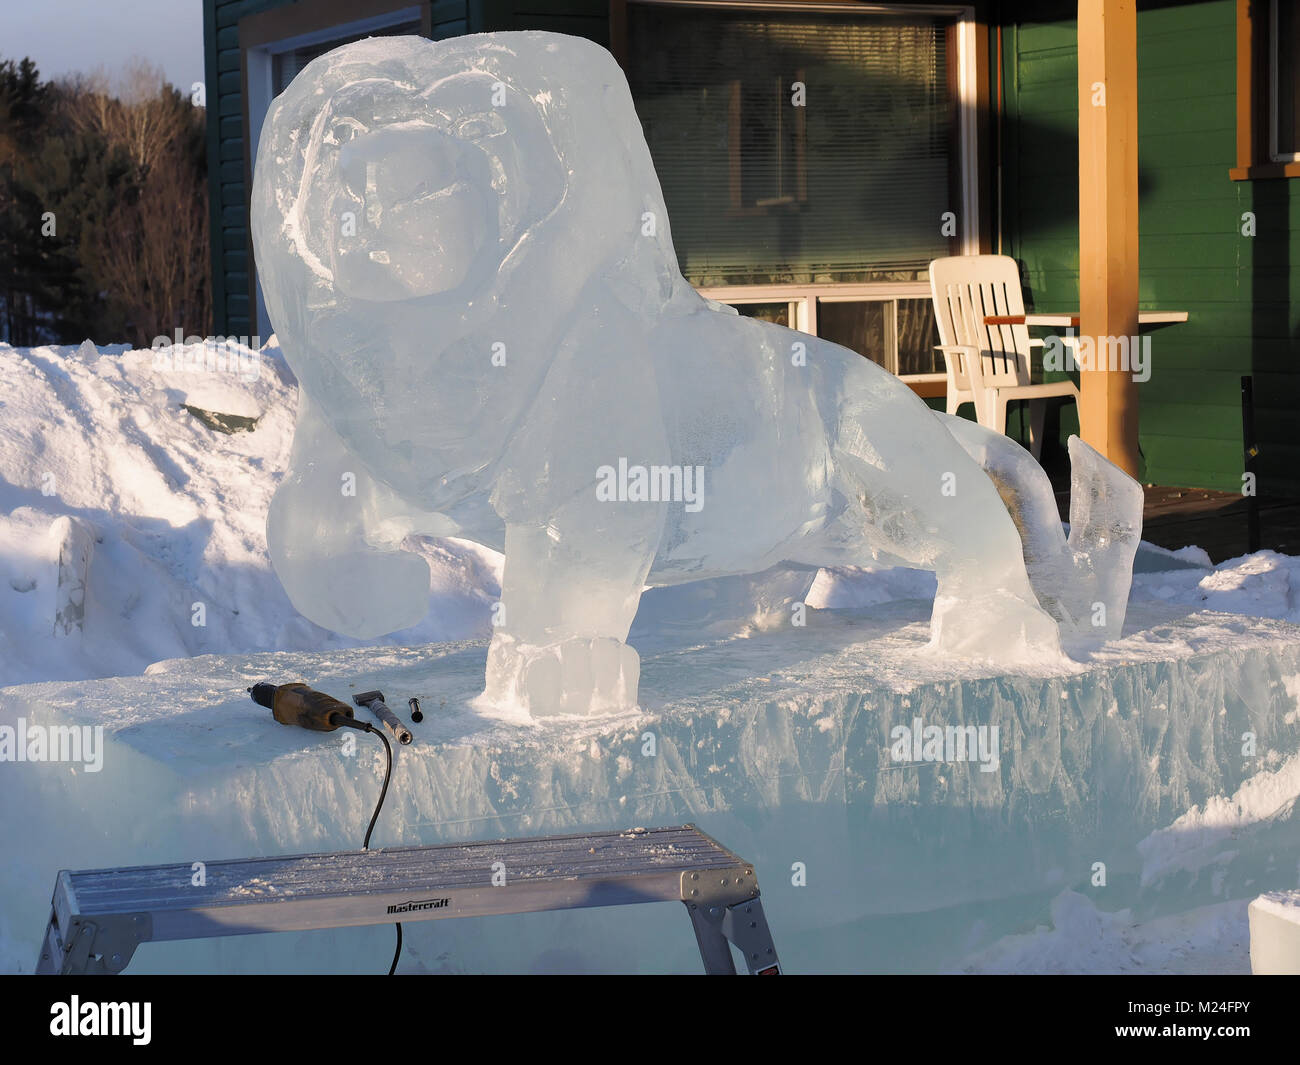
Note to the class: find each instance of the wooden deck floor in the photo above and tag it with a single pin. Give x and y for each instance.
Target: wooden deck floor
(1216, 521)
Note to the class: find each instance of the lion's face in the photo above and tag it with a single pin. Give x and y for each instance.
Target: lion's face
(414, 194)
(425, 215)
(421, 193)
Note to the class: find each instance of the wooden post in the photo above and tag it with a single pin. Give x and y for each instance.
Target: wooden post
(1108, 222)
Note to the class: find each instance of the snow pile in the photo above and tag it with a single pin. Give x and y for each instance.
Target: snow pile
(1085, 940)
(124, 441)
(1207, 836)
(1264, 585)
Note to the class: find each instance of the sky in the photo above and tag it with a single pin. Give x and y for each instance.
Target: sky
(65, 36)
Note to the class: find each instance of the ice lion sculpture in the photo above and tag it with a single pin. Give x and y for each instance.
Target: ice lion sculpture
(466, 257)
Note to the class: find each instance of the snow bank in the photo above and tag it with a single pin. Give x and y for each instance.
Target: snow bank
(1207, 835)
(177, 510)
(1082, 939)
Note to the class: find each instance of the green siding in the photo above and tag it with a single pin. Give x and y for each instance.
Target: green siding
(226, 187)
(580, 18)
(1239, 291)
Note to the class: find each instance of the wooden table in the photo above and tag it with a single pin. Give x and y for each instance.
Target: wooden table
(1072, 320)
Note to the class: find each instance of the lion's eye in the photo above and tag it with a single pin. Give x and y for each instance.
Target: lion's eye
(476, 127)
(341, 132)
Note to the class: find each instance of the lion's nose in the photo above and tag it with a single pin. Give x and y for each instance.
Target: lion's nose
(422, 211)
(389, 168)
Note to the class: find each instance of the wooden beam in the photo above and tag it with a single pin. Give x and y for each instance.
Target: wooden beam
(1248, 82)
(1108, 220)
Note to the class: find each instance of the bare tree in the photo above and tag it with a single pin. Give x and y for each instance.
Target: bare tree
(132, 109)
(158, 270)
(155, 267)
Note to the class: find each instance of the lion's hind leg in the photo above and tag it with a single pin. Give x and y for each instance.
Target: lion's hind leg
(923, 500)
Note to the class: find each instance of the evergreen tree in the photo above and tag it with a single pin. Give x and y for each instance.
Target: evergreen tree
(103, 210)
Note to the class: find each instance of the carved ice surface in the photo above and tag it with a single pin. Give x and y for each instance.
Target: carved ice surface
(1105, 530)
(1083, 580)
(465, 254)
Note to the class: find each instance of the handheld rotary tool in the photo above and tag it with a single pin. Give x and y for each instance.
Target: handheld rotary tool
(297, 704)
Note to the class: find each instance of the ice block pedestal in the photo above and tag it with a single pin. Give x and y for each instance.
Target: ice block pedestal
(902, 811)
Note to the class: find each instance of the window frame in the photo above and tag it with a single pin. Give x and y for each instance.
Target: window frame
(970, 40)
(1256, 96)
(735, 158)
(803, 300)
(1274, 89)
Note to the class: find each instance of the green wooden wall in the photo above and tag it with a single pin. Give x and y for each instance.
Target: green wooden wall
(580, 18)
(1239, 291)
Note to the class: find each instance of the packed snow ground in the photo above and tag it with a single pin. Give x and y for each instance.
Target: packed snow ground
(178, 511)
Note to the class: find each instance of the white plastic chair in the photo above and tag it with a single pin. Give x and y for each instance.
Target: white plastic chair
(988, 365)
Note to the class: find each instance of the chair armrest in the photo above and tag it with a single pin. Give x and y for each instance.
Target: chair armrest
(1067, 341)
(962, 365)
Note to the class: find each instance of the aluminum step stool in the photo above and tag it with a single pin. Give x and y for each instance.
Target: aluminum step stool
(100, 916)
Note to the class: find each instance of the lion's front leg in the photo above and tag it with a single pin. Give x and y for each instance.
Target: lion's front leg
(568, 601)
(320, 538)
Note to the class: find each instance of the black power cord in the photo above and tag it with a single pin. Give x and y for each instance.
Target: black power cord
(383, 791)
(388, 773)
(296, 704)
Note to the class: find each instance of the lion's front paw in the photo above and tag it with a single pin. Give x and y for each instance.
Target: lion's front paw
(998, 626)
(581, 675)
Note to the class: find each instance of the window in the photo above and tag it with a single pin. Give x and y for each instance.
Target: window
(896, 332)
(767, 147)
(1284, 83)
(286, 64)
(813, 160)
(1268, 90)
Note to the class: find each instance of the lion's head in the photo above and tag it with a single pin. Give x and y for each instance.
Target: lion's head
(424, 216)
